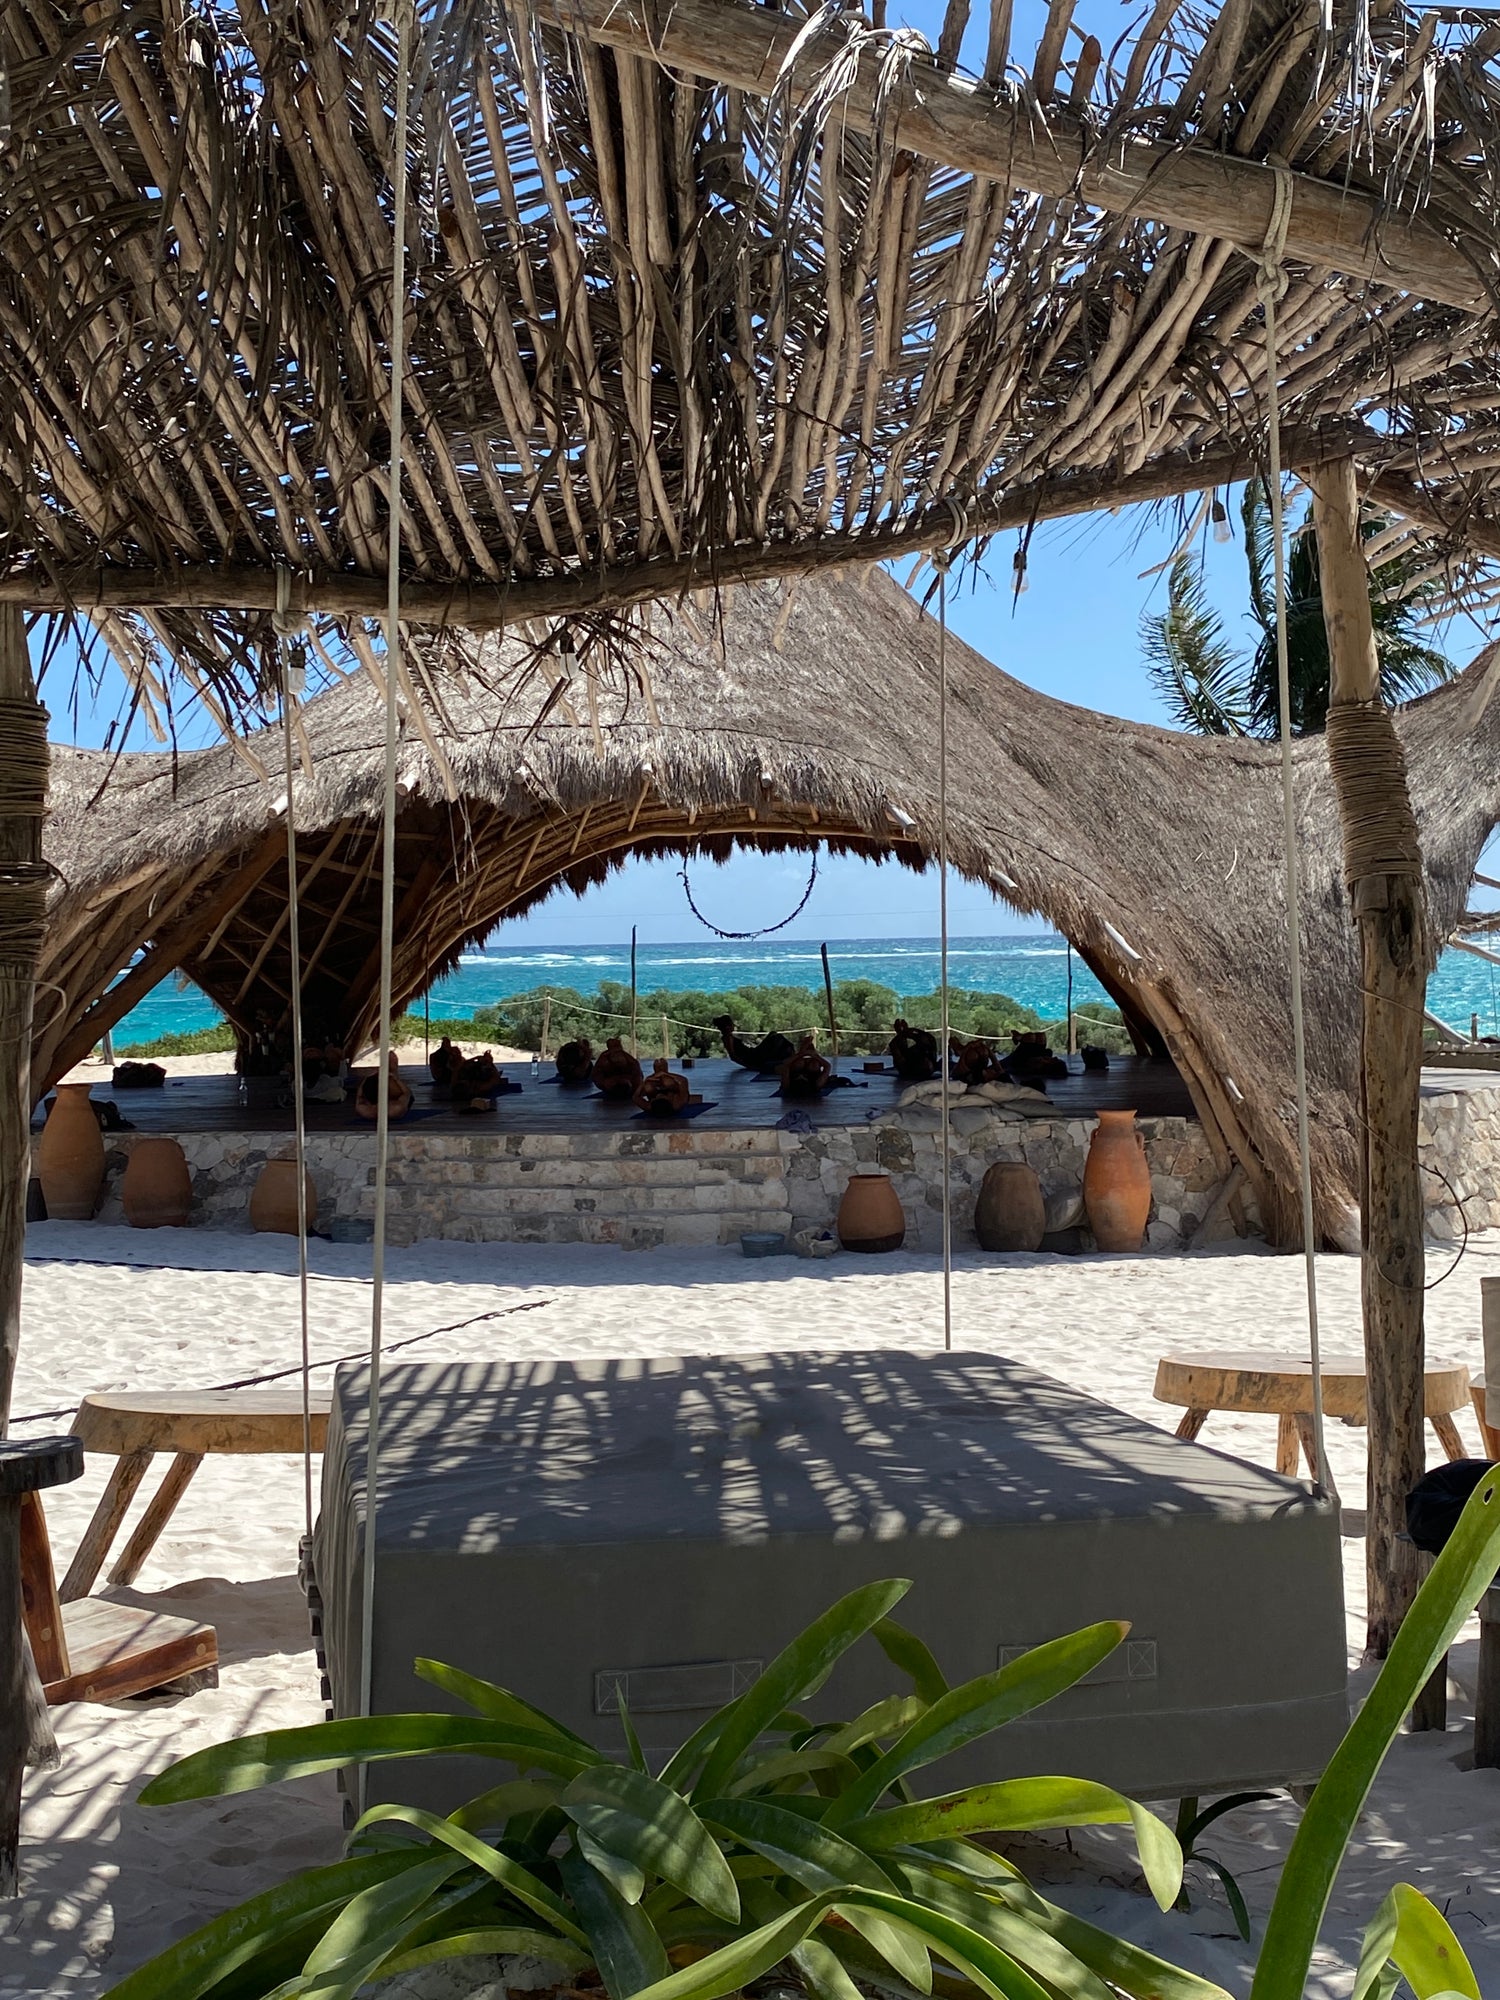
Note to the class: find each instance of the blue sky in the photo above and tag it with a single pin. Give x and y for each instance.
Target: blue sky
(1074, 634)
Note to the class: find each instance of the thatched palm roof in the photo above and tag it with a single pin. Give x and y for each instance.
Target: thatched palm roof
(806, 716)
(682, 308)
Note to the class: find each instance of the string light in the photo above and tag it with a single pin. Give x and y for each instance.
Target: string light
(1021, 582)
(1220, 518)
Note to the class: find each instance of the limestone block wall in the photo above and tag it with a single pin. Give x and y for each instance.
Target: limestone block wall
(640, 1186)
(1458, 1135)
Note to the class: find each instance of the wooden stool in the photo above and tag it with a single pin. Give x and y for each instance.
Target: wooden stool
(1262, 1383)
(133, 1428)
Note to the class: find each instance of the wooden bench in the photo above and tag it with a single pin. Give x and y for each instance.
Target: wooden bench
(133, 1427)
(1262, 1383)
(97, 1650)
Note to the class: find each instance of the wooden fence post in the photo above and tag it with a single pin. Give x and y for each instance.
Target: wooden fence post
(1383, 871)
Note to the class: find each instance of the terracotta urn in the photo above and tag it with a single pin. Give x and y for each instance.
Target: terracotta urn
(1010, 1213)
(157, 1191)
(1117, 1183)
(273, 1200)
(70, 1157)
(870, 1215)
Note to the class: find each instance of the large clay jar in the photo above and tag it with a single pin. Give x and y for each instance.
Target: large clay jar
(1010, 1213)
(273, 1201)
(70, 1157)
(157, 1191)
(870, 1215)
(1117, 1183)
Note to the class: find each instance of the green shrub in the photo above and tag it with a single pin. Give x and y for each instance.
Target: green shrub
(765, 1841)
(771, 1843)
(217, 1040)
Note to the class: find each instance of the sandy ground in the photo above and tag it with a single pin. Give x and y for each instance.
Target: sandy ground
(107, 1883)
(410, 1055)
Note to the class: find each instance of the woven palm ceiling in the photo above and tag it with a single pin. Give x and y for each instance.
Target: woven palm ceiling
(788, 291)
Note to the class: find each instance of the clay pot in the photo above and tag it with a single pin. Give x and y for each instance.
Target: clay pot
(1117, 1183)
(870, 1215)
(157, 1191)
(1010, 1213)
(273, 1201)
(70, 1157)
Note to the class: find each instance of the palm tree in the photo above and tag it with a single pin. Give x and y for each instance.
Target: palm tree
(1215, 691)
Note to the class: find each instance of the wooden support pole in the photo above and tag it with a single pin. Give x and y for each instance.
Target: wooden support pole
(23, 900)
(1383, 870)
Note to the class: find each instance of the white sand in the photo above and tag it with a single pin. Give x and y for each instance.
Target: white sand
(108, 1883)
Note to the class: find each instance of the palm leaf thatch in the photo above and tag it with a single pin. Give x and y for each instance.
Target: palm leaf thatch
(726, 293)
(790, 717)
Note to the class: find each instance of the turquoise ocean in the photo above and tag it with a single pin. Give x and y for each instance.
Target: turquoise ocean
(1031, 966)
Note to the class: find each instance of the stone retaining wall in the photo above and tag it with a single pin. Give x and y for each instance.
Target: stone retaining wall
(642, 1186)
(1458, 1135)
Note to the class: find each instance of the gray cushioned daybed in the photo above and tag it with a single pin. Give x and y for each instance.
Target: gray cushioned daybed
(667, 1525)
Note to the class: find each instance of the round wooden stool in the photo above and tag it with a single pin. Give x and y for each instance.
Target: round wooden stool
(1255, 1382)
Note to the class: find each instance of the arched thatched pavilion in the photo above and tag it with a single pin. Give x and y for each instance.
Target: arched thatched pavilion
(806, 714)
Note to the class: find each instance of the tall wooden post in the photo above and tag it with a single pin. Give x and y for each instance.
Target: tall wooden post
(23, 896)
(1383, 870)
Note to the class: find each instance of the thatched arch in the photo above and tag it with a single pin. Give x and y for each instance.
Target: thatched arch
(780, 718)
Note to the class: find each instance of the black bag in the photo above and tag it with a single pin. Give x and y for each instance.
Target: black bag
(1438, 1498)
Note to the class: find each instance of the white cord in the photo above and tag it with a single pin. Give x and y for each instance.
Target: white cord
(1273, 284)
(284, 625)
(387, 868)
(946, 1071)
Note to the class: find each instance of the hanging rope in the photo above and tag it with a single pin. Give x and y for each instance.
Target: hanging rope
(767, 930)
(387, 859)
(946, 1071)
(290, 658)
(1273, 285)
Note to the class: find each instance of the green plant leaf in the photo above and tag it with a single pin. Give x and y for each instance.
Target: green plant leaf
(498, 1942)
(800, 1667)
(511, 1876)
(907, 1652)
(504, 1802)
(777, 1766)
(990, 1967)
(200, 1961)
(632, 1741)
(819, 1860)
(648, 1824)
(1134, 1970)
(1455, 1584)
(252, 1761)
(1200, 1822)
(629, 1954)
(370, 1925)
(744, 1958)
(978, 1707)
(891, 1717)
(1232, 1895)
(627, 1880)
(1011, 1929)
(500, 1705)
(1414, 1935)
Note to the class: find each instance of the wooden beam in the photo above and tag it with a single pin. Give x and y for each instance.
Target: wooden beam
(1050, 150)
(1445, 509)
(490, 607)
(160, 957)
(1382, 866)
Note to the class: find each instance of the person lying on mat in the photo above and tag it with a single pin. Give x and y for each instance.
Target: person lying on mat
(398, 1097)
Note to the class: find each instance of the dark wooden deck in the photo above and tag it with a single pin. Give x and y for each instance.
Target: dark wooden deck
(738, 1100)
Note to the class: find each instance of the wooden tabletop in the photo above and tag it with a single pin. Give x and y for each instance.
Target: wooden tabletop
(203, 1420)
(1265, 1382)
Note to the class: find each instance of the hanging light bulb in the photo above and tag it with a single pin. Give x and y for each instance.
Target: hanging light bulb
(1220, 518)
(1020, 581)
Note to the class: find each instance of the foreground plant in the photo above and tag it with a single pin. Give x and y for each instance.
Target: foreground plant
(766, 1841)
